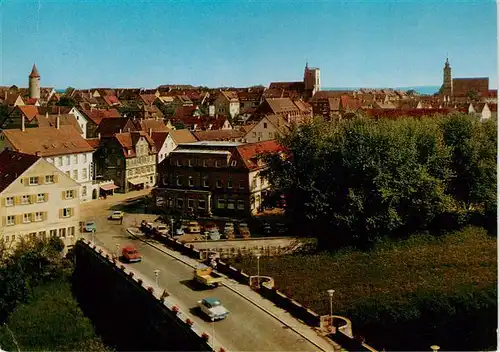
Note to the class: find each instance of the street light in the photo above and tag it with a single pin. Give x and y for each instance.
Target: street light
(117, 250)
(258, 269)
(435, 348)
(330, 293)
(206, 244)
(93, 235)
(157, 273)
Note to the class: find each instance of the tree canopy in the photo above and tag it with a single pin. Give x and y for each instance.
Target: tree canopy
(354, 182)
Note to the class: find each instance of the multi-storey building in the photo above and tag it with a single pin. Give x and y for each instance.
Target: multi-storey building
(36, 200)
(61, 146)
(214, 178)
(129, 159)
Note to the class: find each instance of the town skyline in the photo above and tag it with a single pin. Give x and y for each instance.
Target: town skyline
(110, 45)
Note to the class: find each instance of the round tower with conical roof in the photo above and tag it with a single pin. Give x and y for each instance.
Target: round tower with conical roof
(34, 83)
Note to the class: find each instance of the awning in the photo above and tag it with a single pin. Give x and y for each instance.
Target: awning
(138, 181)
(108, 187)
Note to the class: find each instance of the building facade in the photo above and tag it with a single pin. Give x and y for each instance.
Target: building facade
(37, 200)
(213, 178)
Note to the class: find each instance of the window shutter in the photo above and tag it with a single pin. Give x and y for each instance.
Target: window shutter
(26, 181)
(3, 201)
(17, 200)
(18, 219)
(56, 177)
(75, 194)
(4, 220)
(63, 195)
(44, 215)
(46, 197)
(32, 198)
(60, 213)
(41, 180)
(71, 212)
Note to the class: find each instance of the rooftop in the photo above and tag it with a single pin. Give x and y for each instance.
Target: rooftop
(214, 144)
(201, 151)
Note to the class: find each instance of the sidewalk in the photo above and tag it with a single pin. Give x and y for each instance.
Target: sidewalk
(246, 292)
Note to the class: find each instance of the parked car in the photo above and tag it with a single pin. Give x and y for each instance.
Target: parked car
(243, 230)
(116, 215)
(130, 254)
(214, 234)
(213, 308)
(162, 230)
(193, 227)
(89, 226)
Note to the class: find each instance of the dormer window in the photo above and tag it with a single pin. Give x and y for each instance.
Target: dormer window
(233, 163)
(129, 152)
(178, 162)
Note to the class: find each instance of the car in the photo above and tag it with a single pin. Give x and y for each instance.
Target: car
(89, 226)
(213, 308)
(130, 254)
(193, 227)
(116, 215)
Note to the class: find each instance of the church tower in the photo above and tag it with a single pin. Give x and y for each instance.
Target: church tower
(447, 89)
(34, 83)
(311, 80)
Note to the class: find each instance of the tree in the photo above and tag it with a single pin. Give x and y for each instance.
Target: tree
(473, 95)
(411, 92)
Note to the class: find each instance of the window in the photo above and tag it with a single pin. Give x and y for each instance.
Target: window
(66, 212)
(230, 183)
(241, 185)
(216, 163)
(84, 158)
(26, 218)
(66, 161)
(25, 199)
(53, 233)
(62, 232)
(233, 163)
(11, 220)
(265, 124)
(178, 162)
(75, 159)
(9, 201)
(190, 203)
(38, 216)
(33, 181)
(230, 203)
(75, 174)
(49, 179)
(180, 202)
(201, 204)
(68, 194)
(84, 173)
(271, 135)
(32, 235)
(221, 203)
(190, 163)
(84, 190)
(218, 183)
(179, 181)
(205, 182)
(59, 161)
(241, 205)
(67, 174)
(205, 163)
(42, 234)
(71, 231)
(40, 197)
(191, 181)
(254, 134)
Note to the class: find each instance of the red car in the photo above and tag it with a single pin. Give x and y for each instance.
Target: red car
(130, 254)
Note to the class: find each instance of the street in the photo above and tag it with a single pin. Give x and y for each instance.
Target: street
(247, 328)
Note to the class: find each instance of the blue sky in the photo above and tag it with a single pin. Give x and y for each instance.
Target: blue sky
(238, 43)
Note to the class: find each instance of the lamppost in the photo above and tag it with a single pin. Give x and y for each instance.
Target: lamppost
(330, 293)
(206, 244)
(435, 348)
(117, 250)
(157, 273)
(258, 269)
(93, 235)
(172, 227)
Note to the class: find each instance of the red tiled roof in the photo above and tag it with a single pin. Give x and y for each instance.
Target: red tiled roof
(159, 138)
(94, 142)
(109, 126)
(30, 101)
(30, 111)
(34, 72)
(13, 165)
(250, 152)
(129, 140)
(219, 135)
(96, 115)
(462, 86)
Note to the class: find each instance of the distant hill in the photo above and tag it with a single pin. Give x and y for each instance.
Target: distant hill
(428, 90)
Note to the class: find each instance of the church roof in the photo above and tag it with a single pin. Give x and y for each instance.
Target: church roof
(34, 72)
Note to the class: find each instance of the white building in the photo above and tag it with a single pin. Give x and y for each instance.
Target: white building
(166, 142)
(62, 146)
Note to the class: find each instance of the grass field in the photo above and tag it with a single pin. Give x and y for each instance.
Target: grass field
(50, 321)
(391, 271)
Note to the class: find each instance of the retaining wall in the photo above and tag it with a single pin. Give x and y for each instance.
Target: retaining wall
(128, 315)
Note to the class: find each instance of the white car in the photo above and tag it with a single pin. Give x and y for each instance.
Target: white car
(213, 308)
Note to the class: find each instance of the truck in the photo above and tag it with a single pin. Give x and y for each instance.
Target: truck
(206, 276)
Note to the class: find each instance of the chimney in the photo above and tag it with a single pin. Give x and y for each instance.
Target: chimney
(6, 95)
(129, 130)
(98, 136)
(22, 123)
(58, 122)
(47, 115)
(150, 132)
(120, 130)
